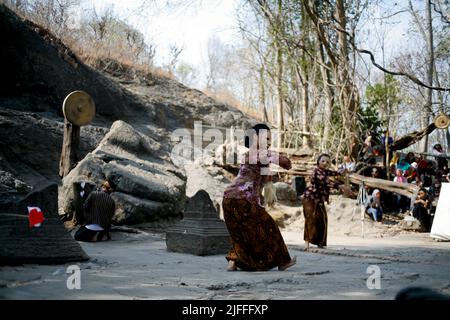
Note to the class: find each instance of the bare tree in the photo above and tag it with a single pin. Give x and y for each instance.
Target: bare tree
(174, 54)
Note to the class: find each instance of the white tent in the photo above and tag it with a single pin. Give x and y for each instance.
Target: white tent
(441, 223)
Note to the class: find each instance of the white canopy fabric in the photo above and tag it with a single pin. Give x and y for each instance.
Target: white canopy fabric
(441, 223)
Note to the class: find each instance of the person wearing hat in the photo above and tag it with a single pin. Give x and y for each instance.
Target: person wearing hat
(411, 174)
(99, 211)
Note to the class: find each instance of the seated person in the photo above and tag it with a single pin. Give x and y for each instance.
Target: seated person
(442, 163)
(403, 164)
(375, 208)
(420, 210)
(376, 173)
(98, 214)
(410, 158)
(366, 150)
(422, 165)
(423, 178)
(348, 165)
(402, 201)
(435, 188)
(411, 173)
(399, 176)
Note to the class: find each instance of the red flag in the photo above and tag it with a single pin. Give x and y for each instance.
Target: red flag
(35, 216)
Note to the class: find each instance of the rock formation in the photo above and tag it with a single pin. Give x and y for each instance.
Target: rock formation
(149, 186)
(38, 71)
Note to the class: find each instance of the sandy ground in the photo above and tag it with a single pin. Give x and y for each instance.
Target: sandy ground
(136, 264)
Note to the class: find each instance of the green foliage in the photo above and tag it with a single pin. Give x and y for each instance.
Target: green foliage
(383, 95)
(369, 121)
(336, 118)
(186, 73)
(382, 99)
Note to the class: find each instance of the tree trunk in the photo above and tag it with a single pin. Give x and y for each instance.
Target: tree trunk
(327, 81)
(412, 138)
(69, 153)
(429, 92)
(306, 30)
(262, 94)
(302, 81)
(279, 51)
(447, 135)
(305, 107)
(349, 99)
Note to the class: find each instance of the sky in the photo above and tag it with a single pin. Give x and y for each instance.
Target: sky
(189, 25)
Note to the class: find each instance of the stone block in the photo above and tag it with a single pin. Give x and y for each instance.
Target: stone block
(200, 232)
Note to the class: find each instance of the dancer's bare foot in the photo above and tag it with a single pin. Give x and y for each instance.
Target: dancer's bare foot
(231, 265)
(289, 264)
(306, 246)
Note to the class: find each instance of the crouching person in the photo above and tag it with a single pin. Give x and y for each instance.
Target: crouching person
(375, 208)
(98, 213)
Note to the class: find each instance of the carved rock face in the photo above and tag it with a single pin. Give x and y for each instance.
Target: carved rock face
(149, 186)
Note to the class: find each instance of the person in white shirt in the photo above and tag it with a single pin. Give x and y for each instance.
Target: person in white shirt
(348, 165)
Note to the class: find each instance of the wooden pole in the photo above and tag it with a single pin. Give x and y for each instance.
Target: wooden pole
(70, 148)
(386, 143)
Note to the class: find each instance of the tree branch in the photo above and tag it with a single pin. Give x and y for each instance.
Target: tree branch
(444, 19)
(372, 58)
(394, 73)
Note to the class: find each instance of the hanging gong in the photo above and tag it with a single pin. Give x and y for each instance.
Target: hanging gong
(79, 108)
(442, 121)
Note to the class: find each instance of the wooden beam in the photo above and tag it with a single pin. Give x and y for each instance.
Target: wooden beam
(406, 189)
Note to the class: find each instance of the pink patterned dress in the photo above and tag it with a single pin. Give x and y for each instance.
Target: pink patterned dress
(252, 176)
(256, 241)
